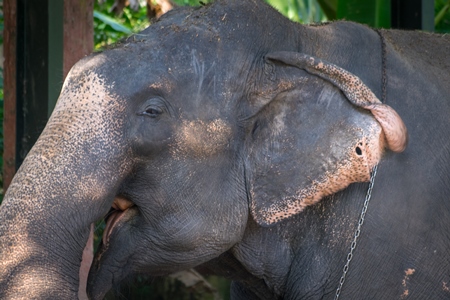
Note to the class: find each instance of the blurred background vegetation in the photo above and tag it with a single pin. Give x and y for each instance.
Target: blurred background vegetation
(116, 19)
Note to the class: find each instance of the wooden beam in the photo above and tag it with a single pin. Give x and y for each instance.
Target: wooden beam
(9, 83)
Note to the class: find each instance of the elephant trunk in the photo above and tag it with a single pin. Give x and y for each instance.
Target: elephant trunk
(68, 181)
(45, 225)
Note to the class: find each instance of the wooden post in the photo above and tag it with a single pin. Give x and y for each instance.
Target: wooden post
(78, 31)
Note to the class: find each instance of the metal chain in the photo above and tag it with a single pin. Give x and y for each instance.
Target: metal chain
(373, 174)
(357, 232)
(383, 66)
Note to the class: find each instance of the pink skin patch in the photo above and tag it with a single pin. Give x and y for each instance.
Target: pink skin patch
(86, 262)
(394, 129)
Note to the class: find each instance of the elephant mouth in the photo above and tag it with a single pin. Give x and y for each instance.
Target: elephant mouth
(118, 210)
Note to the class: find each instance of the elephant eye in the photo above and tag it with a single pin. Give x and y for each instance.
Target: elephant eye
(153, 108)
(152, 111)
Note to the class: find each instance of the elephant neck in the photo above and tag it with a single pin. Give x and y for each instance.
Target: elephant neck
(318, 239)
(266, 256)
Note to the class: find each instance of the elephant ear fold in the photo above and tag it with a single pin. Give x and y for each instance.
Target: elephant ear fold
(356, 92)
(313, 137)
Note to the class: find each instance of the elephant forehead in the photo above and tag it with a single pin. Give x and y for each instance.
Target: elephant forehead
(86, 102)
(202, 138)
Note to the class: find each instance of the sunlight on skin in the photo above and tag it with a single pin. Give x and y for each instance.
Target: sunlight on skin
(88, 256)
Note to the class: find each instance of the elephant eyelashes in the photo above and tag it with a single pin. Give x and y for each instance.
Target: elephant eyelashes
(154, 107)
(152, 112)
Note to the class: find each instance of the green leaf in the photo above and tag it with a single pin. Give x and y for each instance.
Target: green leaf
(329, 8)
(375, 13)
(440, 15)
(111, 22)
(303, 11)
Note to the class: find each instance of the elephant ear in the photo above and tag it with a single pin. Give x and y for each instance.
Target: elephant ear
(314, 136)
(356, 91)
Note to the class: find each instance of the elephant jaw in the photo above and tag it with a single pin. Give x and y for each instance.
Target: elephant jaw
(119, 207)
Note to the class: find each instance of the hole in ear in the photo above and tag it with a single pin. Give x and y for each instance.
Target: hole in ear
(358, 150)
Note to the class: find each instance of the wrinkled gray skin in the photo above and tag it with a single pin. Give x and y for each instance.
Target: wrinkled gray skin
(221, 149)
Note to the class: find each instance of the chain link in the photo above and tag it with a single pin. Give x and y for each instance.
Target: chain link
(357, 232)
(383, 66)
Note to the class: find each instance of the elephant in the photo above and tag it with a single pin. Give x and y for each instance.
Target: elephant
(229, 139)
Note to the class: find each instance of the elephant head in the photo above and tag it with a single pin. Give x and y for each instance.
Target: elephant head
(183, 132)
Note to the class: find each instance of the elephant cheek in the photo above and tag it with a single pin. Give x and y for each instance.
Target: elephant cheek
(201, 139)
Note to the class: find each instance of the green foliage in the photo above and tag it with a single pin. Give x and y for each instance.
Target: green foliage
(375, 13)
(303, 11)
(191, 2)
(110, 28)
(108, 21)
(442, 16)
(328, 8)
(169, 287)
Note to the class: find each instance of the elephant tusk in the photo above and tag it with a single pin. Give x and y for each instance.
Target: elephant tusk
(119, 207)
(121, 203)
